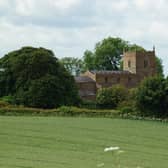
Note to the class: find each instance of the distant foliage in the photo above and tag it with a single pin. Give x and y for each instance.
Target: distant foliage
(89, 60)
(73, 65)
(152, 97)
(107, 54)
(8, 110)
(35, 78)
(111, 97)
(90, 104)
(128, 106)
(8, 99)
(4, 104)
(159, 67)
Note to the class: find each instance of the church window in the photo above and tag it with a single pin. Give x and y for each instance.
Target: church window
(145, 63)
(129, 79)
(106, 79)
(129, 64)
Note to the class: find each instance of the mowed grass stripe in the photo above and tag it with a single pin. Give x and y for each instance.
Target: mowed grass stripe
(41, 142)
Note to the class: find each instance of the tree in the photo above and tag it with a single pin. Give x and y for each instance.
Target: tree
(111, 97)
(152, 97)
(159, 67)
(107, 54)
(89, 60)
(134, 47)
(72, 65)
(35, 78)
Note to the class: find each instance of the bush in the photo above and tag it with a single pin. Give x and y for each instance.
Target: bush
(8, 99)
(111, 97)
(129, 102)
(152, 97)
(127, 105)
(126, 111)
(4, 104)
(88, 104)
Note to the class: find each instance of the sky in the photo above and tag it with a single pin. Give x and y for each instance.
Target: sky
(69, 27)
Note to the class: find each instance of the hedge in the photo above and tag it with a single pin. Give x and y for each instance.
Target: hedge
(62, 111)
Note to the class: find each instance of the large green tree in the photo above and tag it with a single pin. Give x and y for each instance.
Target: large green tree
(34, 77)
(107, 54)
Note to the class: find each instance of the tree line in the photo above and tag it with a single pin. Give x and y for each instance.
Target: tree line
(106, 55)
(34, 77)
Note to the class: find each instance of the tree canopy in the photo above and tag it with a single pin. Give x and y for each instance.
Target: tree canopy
(107, 54)
(152, 97)
(159, 67)
(73, 65)
(35, 78)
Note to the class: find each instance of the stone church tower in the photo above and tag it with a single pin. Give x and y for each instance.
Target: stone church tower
(141, 63)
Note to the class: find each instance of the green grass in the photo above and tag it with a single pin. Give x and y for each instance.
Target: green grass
(55, 142)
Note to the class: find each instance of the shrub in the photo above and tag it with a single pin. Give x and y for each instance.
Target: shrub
(126, 111)
(4, 104)
(111, 97)
(65, 109)
(8, 99)
(129, 102)
(152, 97)
(88, 104)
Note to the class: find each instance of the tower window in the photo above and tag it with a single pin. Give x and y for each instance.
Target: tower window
(145, 63)
(106, 79)
(129, 64)
(129, 79)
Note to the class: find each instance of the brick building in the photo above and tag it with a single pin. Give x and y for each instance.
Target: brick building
(136, 66)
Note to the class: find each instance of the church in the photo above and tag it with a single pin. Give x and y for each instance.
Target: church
(137, 65)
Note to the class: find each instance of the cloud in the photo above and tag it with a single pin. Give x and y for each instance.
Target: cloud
(150, 4)
(64, 4)
(113, 6)
(69, 27)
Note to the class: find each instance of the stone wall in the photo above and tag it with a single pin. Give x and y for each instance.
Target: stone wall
(87, 88)
(127, 80)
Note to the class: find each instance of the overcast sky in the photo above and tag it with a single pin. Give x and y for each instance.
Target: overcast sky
(69, 27)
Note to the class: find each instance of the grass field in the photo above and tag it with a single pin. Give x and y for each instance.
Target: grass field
(48, 142)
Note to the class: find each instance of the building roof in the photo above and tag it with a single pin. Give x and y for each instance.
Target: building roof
(82, 79)
(110, 72)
